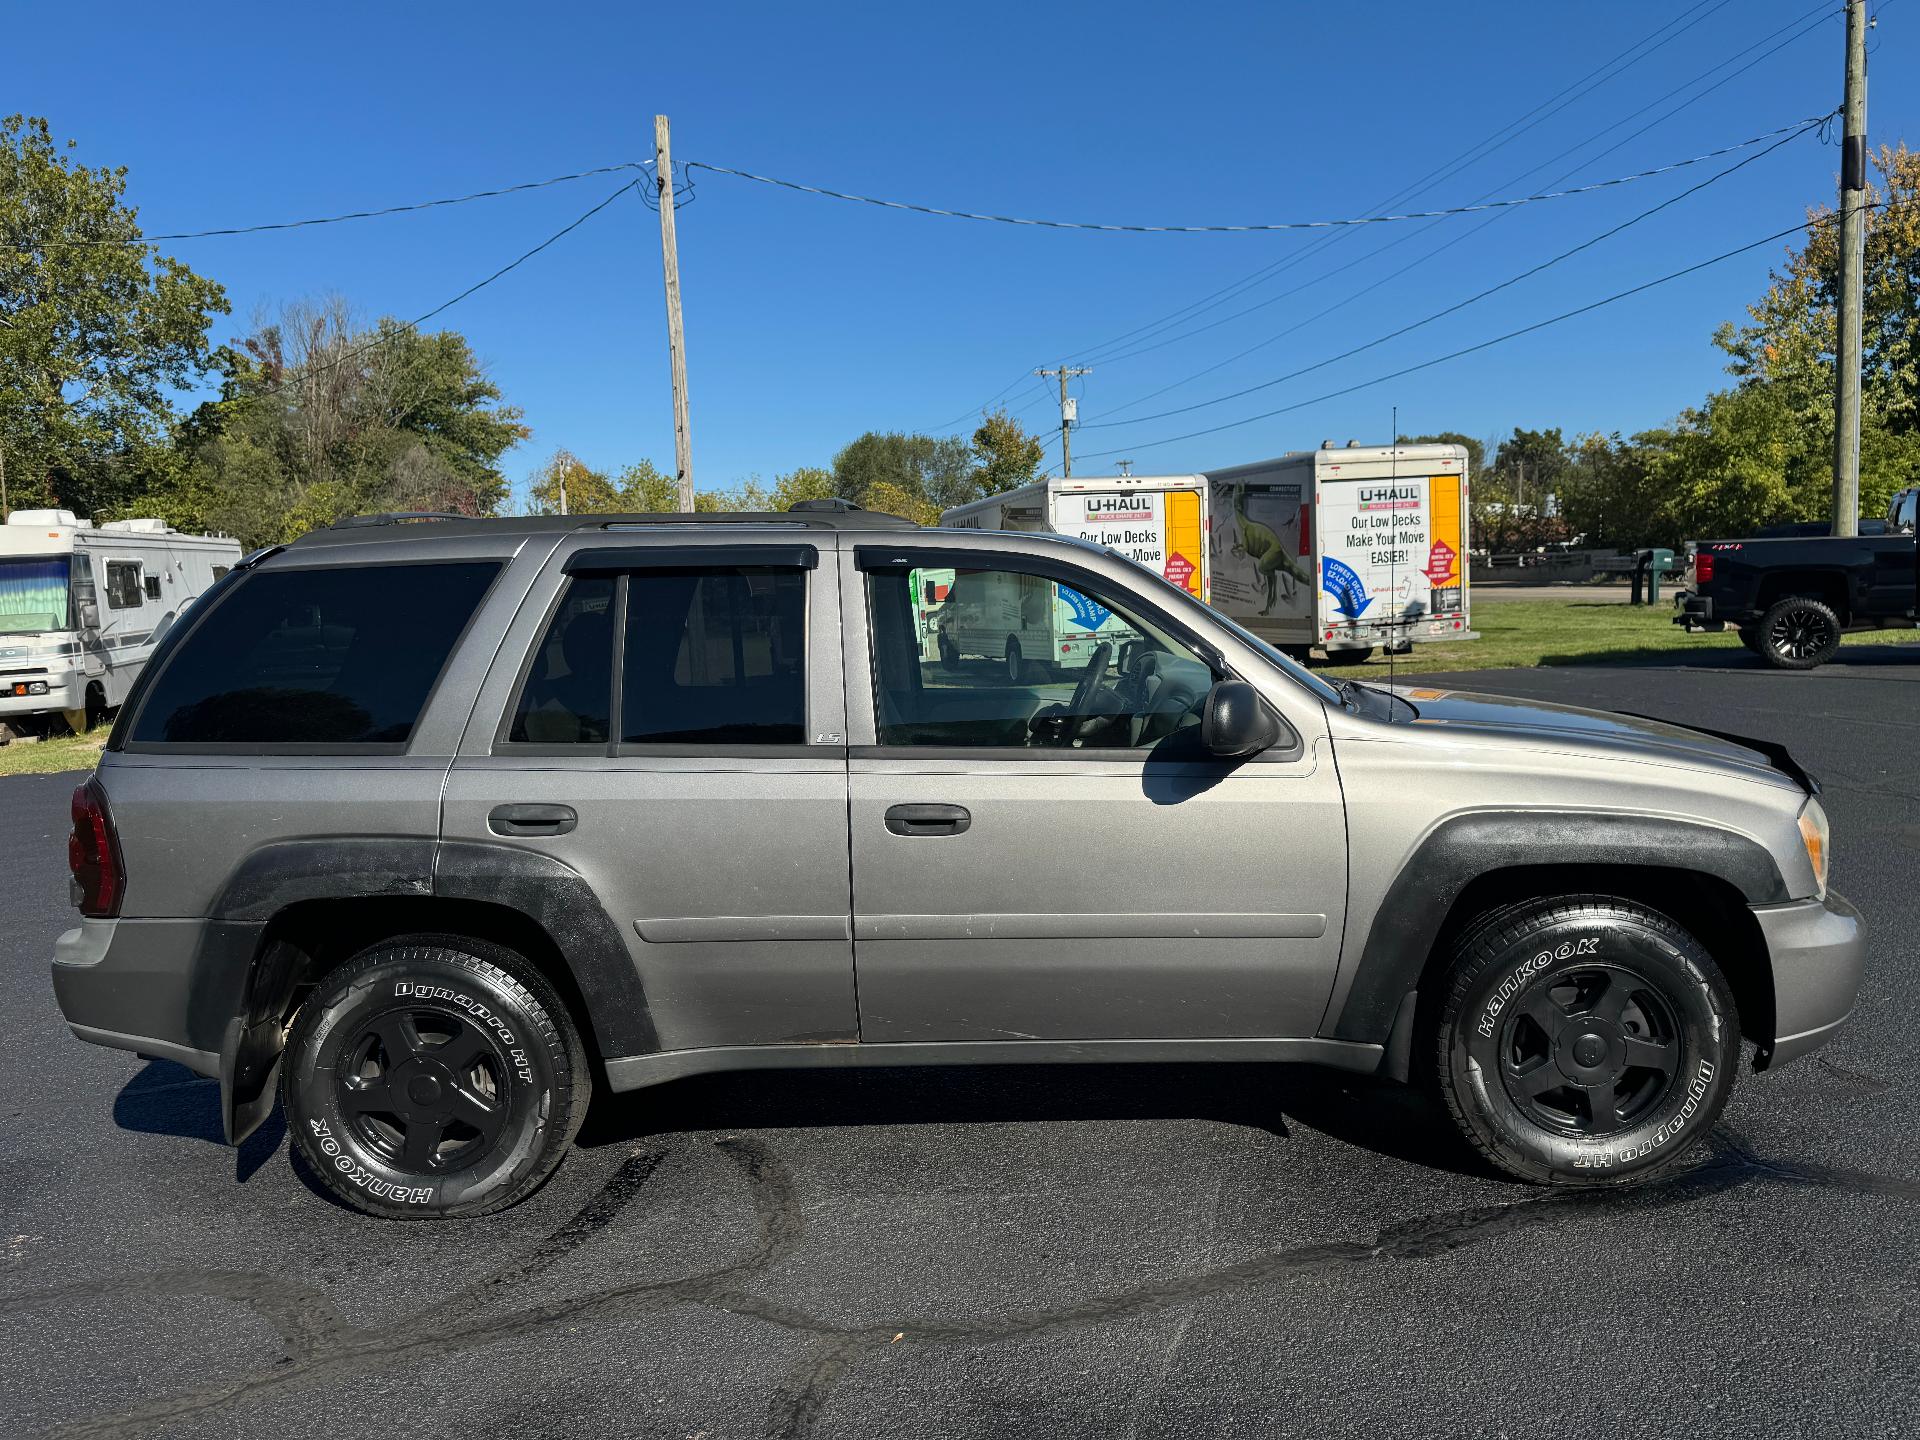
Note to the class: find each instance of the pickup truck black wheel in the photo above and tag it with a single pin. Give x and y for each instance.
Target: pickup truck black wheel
(1584, 1041)
(1751, 638)
(434, 1075)
(1798, 633)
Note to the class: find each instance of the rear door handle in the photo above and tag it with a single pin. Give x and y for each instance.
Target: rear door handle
(928, 819)
(531, 819)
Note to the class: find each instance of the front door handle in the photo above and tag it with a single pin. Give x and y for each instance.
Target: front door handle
(928, 819)
(531, 819)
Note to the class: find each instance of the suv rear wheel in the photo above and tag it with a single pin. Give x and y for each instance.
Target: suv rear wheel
(1798, 633)
(1586, 1041)
(433, 1075)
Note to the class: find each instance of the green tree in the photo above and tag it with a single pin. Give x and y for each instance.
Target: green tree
(321, 417)
(1476, 449)
(809, 482)
(1773, 435)
(587, 491)
(891, 470)
(97, 331)
(1006, 455)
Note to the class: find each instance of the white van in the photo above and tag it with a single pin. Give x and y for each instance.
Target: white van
(81, 609)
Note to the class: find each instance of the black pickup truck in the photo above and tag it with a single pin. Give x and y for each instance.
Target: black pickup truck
(1792, 599)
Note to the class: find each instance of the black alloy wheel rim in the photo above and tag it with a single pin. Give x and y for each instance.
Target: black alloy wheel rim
(1799, 634)
(424, 1089)
(1590, 1052)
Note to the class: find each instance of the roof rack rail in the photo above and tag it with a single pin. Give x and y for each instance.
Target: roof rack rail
(400, 525)
(827, 505)
(394, 517)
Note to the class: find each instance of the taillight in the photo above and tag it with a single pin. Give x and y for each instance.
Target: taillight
(93, 854)
(1702, 567)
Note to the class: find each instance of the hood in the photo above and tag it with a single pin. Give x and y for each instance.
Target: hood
(1639, 735)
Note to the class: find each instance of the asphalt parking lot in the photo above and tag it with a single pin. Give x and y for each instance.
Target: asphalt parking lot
(1236, 1251)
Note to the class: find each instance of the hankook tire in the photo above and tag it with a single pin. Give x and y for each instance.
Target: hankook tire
(1584, 1041)
(432, 1076)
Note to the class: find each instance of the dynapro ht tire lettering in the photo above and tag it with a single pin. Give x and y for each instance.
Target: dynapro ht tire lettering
(434, 1076)
(1588, 1041)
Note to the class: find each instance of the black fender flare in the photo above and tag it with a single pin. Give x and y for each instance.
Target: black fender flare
(227, 1010)
(559, 900)
(1463, 848)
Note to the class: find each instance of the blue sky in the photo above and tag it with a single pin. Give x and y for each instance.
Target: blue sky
(810, 320)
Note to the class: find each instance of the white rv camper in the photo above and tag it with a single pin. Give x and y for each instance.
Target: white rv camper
(81, 608)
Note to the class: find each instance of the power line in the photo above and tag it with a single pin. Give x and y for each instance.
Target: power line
(1798, 128)
(389, 335)
(1820, 14)
(1471, 299)
(1470, 349)
(351, 215)
(1525, 121)
(1420, 186)
(1344, 222)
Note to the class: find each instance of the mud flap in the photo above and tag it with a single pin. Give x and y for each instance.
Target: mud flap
(249, 1066)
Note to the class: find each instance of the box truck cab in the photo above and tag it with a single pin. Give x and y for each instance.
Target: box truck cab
(82, 607)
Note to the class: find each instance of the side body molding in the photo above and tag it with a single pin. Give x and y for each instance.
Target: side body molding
(1462, 849)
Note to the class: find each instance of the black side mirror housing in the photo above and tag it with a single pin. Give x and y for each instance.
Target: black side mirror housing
(1237, 722)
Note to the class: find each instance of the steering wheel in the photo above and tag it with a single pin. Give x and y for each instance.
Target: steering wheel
(1084, 692)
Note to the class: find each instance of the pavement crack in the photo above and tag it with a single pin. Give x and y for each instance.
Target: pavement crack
(324, 1348)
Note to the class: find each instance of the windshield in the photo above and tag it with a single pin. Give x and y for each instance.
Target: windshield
(34, 595)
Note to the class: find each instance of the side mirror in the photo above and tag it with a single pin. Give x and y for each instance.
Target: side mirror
(89, 615)
(1237, 723)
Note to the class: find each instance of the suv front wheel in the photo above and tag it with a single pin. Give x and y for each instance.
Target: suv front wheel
(1586, 1041)
(432, 1076)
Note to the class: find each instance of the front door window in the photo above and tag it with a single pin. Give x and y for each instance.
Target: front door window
(1005, 658)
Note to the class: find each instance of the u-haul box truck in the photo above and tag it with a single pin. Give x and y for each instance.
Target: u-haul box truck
(1343, 550)
(1158, 521)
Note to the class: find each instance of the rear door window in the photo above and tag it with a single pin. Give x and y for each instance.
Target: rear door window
(715, 657)
(315, 658)
(567, 697)
(693, 656)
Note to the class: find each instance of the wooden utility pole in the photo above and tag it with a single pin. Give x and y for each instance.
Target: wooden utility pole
(1853, 244)
(1068, 411)
(676, 336)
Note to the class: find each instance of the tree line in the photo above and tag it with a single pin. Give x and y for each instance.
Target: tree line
(316, 413)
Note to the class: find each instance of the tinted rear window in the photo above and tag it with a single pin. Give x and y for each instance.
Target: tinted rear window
(315, 657)
(715, 657)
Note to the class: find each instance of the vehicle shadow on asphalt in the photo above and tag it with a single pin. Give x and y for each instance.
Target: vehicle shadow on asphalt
(164, 1098)
(1397, 1121)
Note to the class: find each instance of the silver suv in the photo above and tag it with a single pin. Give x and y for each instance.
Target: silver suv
(440, 825)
